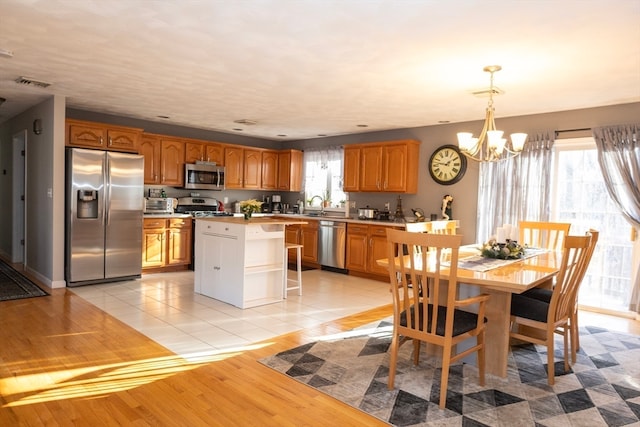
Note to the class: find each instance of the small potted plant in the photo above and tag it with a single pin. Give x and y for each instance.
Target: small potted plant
(248, 207)
(327, 198)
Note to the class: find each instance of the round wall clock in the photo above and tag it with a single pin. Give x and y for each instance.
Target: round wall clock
(447, 165)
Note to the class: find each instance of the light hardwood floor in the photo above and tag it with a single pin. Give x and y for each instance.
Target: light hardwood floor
(66, 362)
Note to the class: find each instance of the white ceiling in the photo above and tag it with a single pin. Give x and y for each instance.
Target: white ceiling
(301, 68)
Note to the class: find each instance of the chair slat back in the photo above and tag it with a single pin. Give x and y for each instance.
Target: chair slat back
(574, 256)
(547, 235)
(423, 262)
(594, 234)
(419, 227)
(443, 227)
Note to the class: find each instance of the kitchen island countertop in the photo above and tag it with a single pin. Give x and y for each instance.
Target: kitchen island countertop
(167, 215)
(254, 221)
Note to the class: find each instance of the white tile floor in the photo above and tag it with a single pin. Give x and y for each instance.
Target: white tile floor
(165, 308)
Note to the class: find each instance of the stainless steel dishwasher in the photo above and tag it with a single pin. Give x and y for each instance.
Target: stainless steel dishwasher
(332, 241)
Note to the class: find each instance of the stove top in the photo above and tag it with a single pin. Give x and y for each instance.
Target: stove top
(206, 214)
(199, 207)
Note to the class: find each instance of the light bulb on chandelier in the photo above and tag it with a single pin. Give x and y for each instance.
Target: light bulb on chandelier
(490, 146)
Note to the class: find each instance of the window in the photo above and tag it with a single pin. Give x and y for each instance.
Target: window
(323, 178)
(581, 198)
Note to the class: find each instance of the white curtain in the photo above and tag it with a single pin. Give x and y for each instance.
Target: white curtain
(323, 174)
(619, 158)
(515, 189)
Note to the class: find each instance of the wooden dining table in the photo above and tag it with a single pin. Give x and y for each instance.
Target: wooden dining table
(514, 277)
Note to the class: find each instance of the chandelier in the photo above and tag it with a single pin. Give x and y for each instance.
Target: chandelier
(490, 146)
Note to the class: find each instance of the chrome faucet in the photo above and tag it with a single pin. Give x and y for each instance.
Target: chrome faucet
(321, 203)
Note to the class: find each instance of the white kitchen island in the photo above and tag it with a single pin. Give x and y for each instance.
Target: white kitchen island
(241, 262)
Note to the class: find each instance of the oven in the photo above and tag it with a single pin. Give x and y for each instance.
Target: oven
(199, 207)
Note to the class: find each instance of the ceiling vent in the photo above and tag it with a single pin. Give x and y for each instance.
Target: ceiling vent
(483, 93)
(28, 81)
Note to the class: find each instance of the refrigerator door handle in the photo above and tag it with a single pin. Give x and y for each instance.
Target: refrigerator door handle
(107, 191)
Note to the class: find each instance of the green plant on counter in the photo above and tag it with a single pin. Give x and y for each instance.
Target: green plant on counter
(248, 207)
(327, 196)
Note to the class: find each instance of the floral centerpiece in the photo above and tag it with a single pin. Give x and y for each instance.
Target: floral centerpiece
(509, 250)
(248, 207)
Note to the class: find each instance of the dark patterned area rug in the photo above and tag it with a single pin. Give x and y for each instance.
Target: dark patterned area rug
(601, 389)
(14, 285)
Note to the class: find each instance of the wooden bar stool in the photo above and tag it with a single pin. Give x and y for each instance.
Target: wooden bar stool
(298, 280)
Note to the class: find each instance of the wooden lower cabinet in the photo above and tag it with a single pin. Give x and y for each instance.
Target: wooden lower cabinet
(365, 245)
(166, 244)
(307, 236)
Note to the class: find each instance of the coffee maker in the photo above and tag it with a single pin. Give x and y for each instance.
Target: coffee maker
(276, 205)
(266, 204)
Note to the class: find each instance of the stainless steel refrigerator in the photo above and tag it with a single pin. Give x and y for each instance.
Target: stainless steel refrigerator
(104, 203)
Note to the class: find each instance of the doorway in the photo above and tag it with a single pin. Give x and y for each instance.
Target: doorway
(18, 198)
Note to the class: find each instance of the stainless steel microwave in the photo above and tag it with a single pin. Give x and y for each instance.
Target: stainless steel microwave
(201, 176)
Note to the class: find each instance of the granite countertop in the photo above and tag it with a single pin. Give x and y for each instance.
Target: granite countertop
(354, 220)
(256, 220)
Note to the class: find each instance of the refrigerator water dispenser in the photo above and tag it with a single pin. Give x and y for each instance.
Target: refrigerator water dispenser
(87, 204)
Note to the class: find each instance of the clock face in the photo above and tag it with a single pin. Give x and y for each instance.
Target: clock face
(447, 165)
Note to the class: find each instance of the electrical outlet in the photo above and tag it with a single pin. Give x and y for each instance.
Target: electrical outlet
(386, 206)
(353, 204)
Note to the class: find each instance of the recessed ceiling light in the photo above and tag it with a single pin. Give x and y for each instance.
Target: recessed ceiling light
(245, 122)
(363, 126)
(238, 129)
(282, 135)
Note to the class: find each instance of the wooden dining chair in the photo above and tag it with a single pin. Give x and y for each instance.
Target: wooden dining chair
(444, 227)
(432, 317)
(543, 319)
(547, 235)
(419, 227)
(546, 294)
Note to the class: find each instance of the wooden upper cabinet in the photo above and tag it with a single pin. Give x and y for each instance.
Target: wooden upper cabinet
(252, 169)
(172, 162)
(214, 153)
(204, 151)
(123, 140)
(290, 170)
(149, 147)
(85, 134)
(269, 170)
(98, 135)
(234, 166)
(351, 173)
(382, 167)
(394, 168)
(371, 168)
(193, 151)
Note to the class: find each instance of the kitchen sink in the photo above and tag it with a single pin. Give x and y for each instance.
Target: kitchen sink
(325, 215)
